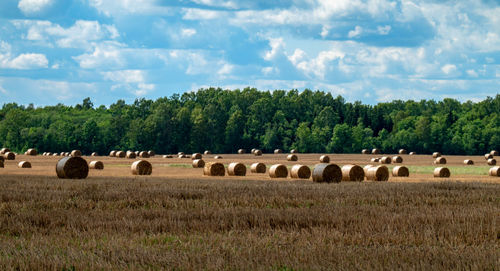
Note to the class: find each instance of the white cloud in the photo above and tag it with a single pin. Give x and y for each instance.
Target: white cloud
(318, 66)
(21, 62)
(225, 69)
(269, 70)
(276, 44)
(133, 81)
(384, 30)
(356, 32)
(217, 3)
(124, 7)
(203, 14)
(449, 68)
(188, 32)
(107, 55)
(30, 7)
(472, 73)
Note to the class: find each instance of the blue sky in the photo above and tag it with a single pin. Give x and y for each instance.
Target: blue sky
(61, 51)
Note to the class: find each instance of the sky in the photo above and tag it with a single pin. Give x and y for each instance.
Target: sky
(62, 51)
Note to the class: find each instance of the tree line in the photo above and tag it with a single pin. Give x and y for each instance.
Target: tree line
(225, 120)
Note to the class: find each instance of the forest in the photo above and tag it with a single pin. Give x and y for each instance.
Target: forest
(225, 120)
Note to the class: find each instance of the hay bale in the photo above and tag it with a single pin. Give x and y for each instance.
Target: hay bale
(72, 167)
(375, 160)
(180, 153)
(24, 164)
(258, 168)
(257, 152)
(277, 151)
(121, 154)
(468, 162)
(397, 159)
(365, 151)
(377, 173)
(131, 155)
(440, 161)
(292, 157)
(488, 156)
(168, 156)
(137, 153)
(494, 153)
(366, 168)
(436, 155)
(375, 151)
(96, 165)
(326, 173)
(294, 151)
(413, 153)
(442, 172)
(252, 151)
(196, 156)
(400, 171)
(112, 153)
(492, 162)
(217, 157)
(55, 154)
(181, 156)
(385, 160)
(236, 169)
(151, 153)
(402, 151)
(4, 150)
(141, 167)
(49, 154)
(144, 154)
(494, 171)
(278, 171)
(207, 152)
(324, 159)
(242, 151)
(76, 153)
(198, 163)
(93, 154)
(9, 156)
(352, 173)
(31, 152)
(300, 172)
(214, 169)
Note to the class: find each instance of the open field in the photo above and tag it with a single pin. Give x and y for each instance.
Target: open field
(178, 219)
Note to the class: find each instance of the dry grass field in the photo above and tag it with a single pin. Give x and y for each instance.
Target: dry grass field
(178, 219)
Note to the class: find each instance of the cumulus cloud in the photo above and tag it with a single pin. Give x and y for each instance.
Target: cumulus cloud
(133, 81)
(31, 7)
(24, 61)
(449, 68)
(356, 32)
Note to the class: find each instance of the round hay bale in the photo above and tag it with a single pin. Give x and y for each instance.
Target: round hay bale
(277, 151)
(72, 167)
(76, 153)
(137, 153)
(242, 151)
(278, 171)
(144, 154)
(141, 167)
(397, 159)
(324, 159)
(207, 152)
(385, 160)
(300, 172)
(257, 152)
(494, 153)
(214, 169)
(195, 156)
(365, 151)
(294, 151)
(488, 156)
(442, 172)
(151, 153)
(413, 153)
(402, 151)
(131, 155)
(49, 154)
(375, 160)
(24, 164)
(252, 151)
(121, 154)
(492, 162)
(198, 163)
(468, 162)
(94, 154)
(96, 165)
(326, 173)
(236, 169)
(55, 154)
(494, 171)
(217, 157)
(9, 156)
(168, 156)
(352, 173)
(258, 168)
(436, 155)
(400, 171)
(378, 174)
(31, 152)
(180, 153)
(292, 157)
(181, 156)
(4, 150)
(67, 154)
(375, 151)
(366, 168)
(440, 161)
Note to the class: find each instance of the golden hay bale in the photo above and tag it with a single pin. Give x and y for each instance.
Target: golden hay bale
(76, 153)
(494, 153)
(9, 156)
(131, 155)
(24, 164)
(141, 167)
(32, 152)
(353, 173)
(324, 159)
(440, 161)
(494, 171)
(144, 154)
(468, 162)
(198, 163)
(168, 156)
(365, 151)
(48, 154)
(377, 173)
(55, 154)
(397, 159)
(180, 153)
(243, 151)
(214, 169)
(181, 156)
(413, 153)
(207, 152)
(278, 171)
(196, 156)
(277, 151)
(236, 169)
(112, 153)
(385, 160)
(400, 171)
(217, 157)
(292, 157)
(326, 173)
(252, 151)
(137, 153)
(402, 151)
(121, 154)
(257, 152)
(72, 167)
(492, 162)
(436, 155)
(294, 151)
(375, 160)
(442, 172)
(93, 154)
(151, 153)
(300, 172)
(375, 151)
(366, 168)
(4, 150)
(96, 165)
(488, 156)
(258, 168)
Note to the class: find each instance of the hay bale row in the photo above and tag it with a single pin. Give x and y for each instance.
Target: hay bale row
(278, 171)
(300, 172)
(352, 173)
(236, 169)
(292, 157)
(327, 173)
(258, 168)
(72, 167)
(96, 165)
(400, 171)
(324, 159)
(130, 155)
(141, 167)
(441, 172)
(214, 169)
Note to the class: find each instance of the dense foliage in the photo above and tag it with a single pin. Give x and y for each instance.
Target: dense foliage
(224, 120)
